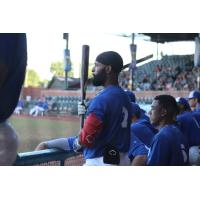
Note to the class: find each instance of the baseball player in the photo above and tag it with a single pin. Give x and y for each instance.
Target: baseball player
(105, 137)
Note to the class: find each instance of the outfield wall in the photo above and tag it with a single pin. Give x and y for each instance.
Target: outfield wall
(37, 93)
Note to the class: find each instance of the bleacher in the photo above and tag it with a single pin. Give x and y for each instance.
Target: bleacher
(167, 61)
(58, 105)
(63, 104)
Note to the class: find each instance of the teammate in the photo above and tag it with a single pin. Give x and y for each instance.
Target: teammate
(169, 146)
(141, 137)
(13, 58)
(40, 108)
(138, 152)
(141, 128)
(183, 105)
(194, 100)
(132, 97)
(19, 108)
(105, 137)
(189, 124)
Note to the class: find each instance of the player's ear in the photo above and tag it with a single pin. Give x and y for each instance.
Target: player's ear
(163, 112)
(108, 69)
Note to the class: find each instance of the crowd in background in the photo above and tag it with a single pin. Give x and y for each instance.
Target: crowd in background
(162, 76)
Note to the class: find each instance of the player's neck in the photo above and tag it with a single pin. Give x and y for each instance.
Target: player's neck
(111, 81)
(165, 122)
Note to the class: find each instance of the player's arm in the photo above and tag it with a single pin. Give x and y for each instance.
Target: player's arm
(139, 160)
(138, 152)
(93, 125)
(66, 144)
(158, 152)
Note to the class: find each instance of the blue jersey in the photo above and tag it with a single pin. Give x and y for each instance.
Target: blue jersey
(137, 148)
(197, 109)
(143, 115)
(144, 131)
(168, 148)
(13, 58)
(20, 104)
(189, 124)
(113, 107)
(197, 117)
(43, 105)
(71, 141)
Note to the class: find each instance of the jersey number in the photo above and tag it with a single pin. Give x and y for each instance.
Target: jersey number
(124, 123)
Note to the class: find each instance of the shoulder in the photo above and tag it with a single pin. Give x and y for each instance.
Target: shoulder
(136, 127)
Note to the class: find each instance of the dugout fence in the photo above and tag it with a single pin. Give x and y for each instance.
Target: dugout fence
(49, 157)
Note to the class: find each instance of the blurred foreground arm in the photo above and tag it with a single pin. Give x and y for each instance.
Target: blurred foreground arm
(8, 144)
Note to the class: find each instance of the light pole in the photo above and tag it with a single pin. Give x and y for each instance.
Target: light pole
(197, 59)
(132, 66)
(67, 64)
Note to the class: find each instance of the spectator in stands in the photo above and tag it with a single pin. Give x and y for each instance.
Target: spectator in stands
(13, 60)
(169, 146)
(105, 137)
(40, 108)
(194, 100)
(19, 108)
(165, 77)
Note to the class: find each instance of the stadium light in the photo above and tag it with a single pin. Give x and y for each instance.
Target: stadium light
(67, 62)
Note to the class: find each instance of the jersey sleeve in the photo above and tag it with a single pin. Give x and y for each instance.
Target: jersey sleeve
(158, 152)
(137, 148)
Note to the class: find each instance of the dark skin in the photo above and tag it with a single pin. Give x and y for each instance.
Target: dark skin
(139, 161)
(110, 76)
(159, 115)
(182, 108)
(105, 77)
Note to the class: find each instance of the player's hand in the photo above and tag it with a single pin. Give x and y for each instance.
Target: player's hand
(81, 108)
(41, 146)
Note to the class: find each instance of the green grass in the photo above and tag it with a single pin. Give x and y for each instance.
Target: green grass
(31, 131)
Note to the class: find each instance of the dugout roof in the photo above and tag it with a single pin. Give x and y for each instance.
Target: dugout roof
(171, 37)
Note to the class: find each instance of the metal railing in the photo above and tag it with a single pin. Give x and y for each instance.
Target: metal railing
(49, 157)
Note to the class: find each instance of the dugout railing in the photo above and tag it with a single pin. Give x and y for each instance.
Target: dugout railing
(49, 157)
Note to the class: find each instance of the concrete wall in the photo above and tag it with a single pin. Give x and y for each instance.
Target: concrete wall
(37, 93)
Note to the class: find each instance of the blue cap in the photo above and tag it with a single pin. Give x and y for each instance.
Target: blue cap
(135, 108)
(183, 101)
(194, 95)
(131, 95)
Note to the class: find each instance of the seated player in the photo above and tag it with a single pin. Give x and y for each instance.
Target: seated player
(169, 146)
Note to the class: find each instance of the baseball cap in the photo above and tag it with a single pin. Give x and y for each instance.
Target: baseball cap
(111, 58)
(194, 94)
(135, 108)
(131, 95)
(183, 101)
